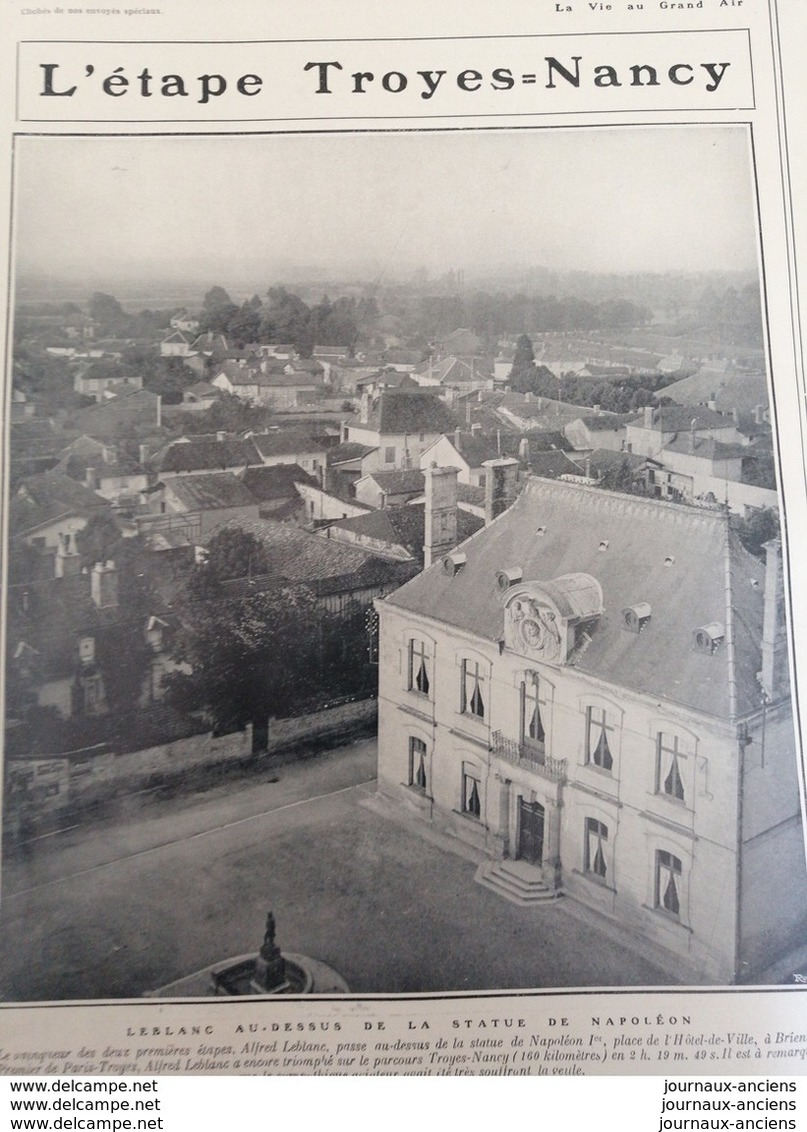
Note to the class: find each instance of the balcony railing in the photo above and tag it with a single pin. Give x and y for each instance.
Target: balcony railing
(529, 757)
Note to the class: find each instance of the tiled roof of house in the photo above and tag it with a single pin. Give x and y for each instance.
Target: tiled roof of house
(344, 453)
(300, 558)
(706, 448)
(684, 562)
(678, 418)
(471, 494)
(607, 422)
(404, 411)
(52, 618)
(603, 460)
(399, 483)
(286, 444)
(210, 491)
(553, 464)
(741, 391)
(197, 455)
(39, 499)
(276, 482)
(404, 527)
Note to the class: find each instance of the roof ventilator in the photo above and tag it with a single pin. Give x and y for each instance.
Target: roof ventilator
(453, 563)
(635, 617)
(507, 578)
(706, 638)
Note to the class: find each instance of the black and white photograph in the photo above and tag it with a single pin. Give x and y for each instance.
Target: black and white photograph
(397, 594)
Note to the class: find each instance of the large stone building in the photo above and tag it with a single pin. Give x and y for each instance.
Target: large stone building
(593, 692)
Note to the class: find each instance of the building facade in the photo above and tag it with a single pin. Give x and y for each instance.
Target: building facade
(593, 692)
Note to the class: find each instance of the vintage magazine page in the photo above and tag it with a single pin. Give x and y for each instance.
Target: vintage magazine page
(403, 509)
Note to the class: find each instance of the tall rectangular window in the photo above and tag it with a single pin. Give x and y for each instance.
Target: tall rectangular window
(598, 744)
(418, 668)
(670, 767)
(669, 872)
(533, 733)
(471, 794)
(417, 764)
(472, 699)
(595, 849)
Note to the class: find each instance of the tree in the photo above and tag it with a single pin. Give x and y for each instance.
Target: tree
(217, 310)
(524, 357)
(284, 318)
(100, 540)
(124, 659)
(250, 658)
(756, 528)
(244, 325)
(107, 312)
(234, 553)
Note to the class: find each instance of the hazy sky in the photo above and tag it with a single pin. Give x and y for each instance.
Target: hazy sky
(598, 200)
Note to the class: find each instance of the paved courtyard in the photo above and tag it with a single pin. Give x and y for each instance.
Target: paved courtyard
(116, 909)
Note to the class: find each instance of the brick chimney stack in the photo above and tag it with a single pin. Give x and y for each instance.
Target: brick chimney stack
(104, 585)
(501, 480)
(440, 532)
(775, 672)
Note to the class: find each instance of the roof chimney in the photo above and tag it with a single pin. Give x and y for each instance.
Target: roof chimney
(104, 585)
(647, 414)
(458, 439)
(501, 479)
(774, 676)
(440, 530)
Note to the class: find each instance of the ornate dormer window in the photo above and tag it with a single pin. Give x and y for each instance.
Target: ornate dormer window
(546, 620)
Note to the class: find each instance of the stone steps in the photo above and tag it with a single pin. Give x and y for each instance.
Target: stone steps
(516, 881)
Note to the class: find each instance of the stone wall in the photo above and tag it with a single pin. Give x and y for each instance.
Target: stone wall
(333, 725)
(40, 789)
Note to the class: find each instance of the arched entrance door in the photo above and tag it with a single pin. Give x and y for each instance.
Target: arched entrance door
(531, 832)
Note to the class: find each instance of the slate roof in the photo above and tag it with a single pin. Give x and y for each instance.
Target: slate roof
(711, 579)
(210, 491)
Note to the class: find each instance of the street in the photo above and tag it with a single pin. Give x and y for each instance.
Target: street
(172, 884)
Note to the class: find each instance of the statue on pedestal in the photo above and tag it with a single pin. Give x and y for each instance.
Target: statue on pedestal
(270, 966)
